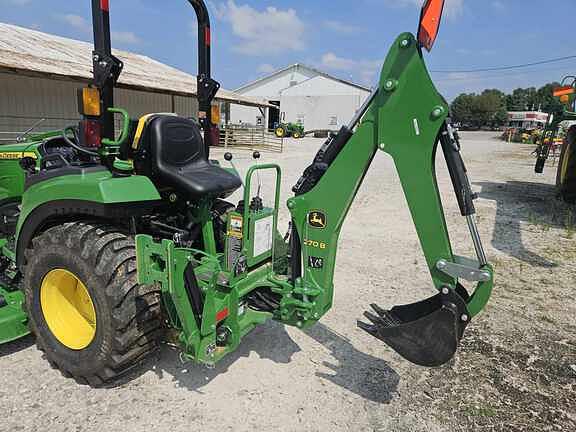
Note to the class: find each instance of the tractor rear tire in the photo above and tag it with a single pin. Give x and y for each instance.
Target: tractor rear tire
(126, 317)
(566, 175)
(280, 132)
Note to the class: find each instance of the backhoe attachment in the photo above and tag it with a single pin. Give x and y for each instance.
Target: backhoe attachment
(406, 118)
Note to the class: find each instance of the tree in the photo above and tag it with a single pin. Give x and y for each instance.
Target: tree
(548, 103)
(461, 109)
(477, 111)
(522, 99)
(490, 108)
(492, 104)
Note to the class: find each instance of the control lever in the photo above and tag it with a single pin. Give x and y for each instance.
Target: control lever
(228, 158)
(256, 155)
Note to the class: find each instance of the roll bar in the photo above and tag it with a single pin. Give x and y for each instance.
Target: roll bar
(107, 68)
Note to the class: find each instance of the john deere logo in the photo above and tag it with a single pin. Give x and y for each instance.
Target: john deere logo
(317, 219)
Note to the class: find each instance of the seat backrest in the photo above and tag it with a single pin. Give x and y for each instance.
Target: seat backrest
(169, 142)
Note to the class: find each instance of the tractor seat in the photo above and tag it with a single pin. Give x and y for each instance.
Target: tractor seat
(176, 157)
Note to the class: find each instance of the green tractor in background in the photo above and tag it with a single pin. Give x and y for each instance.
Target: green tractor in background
(285, 130)
(566, 172)
(110, 245)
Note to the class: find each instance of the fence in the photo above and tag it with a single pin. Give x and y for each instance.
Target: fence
(250, 137)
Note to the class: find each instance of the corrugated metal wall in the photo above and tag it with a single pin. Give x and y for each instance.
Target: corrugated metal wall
(321, 112)
(24, 100)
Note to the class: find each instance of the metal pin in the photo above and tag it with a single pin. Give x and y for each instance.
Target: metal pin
(476, 240)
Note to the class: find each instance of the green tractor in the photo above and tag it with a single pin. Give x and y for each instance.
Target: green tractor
(110, 245)
(285, 130)
(566, 172)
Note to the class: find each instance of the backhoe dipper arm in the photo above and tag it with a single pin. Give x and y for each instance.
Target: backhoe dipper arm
(406, 117)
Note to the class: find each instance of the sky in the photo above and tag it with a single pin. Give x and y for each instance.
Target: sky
(348, 39)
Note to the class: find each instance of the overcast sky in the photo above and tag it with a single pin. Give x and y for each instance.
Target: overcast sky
(346, 38)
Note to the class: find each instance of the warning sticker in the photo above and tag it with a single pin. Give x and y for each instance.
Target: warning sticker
(235, 226)
(263, 235)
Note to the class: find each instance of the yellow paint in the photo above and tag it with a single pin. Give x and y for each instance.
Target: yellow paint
(91, 101)
(565, 160)
(141, 125)
(315, 244)
(140, 130)
(12, 155)
(215, 114)
(68, 309)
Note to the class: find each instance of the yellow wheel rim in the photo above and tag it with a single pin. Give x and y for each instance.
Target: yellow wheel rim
(279, 132)
(564, 167)
(68, 309)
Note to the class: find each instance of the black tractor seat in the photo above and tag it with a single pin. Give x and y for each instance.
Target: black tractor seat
(171, 152)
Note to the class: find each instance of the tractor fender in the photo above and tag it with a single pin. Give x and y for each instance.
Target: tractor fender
(4, 194)
(94, 195)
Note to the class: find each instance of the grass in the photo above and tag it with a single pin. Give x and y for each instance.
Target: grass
(547, 319)
(477, 411)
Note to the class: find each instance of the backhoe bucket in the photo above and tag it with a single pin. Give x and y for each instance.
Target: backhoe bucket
(426, 333)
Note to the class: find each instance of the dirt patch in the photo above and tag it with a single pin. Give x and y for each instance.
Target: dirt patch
(515, 371)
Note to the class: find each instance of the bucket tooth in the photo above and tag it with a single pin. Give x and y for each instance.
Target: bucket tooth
(426, 333)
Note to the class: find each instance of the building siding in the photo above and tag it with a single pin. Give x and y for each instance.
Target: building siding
(316, 100)
(27, 99)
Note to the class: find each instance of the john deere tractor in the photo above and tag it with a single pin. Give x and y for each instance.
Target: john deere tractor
(566, 172)
(294, 130)
(111, 244)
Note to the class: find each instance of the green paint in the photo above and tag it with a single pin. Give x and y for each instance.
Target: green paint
(98, 187)
(11, 175)
(404, 121)
(13, 321)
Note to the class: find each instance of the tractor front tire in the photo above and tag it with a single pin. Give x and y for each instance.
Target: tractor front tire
(566, 175)
(91, 318)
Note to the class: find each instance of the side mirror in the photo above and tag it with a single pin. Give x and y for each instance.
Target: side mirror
(430, 19)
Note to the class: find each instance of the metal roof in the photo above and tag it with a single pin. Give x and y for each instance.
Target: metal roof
(295, 67)
(31, 52)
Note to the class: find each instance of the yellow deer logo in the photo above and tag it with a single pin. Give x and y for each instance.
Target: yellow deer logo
(317, 219)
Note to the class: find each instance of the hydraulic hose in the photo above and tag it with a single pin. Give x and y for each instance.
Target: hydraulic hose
(73, 144)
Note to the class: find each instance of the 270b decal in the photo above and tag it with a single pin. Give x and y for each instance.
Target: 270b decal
(315, 244)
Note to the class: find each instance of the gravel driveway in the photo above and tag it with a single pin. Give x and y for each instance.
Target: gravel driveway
(516, 370)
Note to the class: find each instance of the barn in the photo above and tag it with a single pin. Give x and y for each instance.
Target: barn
(40, 74)
(303, 95)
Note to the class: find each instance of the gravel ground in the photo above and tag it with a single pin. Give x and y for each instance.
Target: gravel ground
(516, 370)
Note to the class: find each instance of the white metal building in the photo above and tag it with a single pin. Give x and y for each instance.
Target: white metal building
(303, 94)
(40, 74)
